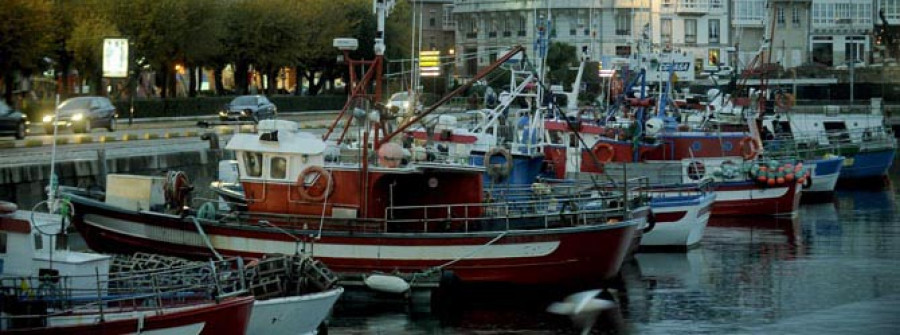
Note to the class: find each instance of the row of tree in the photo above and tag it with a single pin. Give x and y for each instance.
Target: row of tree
(267, 35)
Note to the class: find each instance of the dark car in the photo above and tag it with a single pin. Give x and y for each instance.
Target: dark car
(83, 114)
(248, 108)
(12, 122)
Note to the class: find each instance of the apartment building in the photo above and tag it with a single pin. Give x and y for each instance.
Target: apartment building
(730, 32)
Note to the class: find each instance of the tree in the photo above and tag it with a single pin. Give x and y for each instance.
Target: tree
(561, 56)
(85, 41)
(207, 29)
(25, 39)
(159, 31)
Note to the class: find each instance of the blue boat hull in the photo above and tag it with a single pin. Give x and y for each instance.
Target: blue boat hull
(868, 164)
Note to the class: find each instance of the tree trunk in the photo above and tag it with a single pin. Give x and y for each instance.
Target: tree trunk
(172, 82)
(97, 82)
(8, 79)
(272, 76)
(298, 89)
(241, 83)
(217, 73)
(194, 82)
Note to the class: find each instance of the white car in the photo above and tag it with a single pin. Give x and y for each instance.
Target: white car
(401, 100)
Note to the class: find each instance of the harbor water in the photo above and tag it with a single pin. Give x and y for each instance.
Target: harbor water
(834, 268)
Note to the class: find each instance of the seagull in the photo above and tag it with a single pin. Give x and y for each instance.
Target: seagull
(582, 308)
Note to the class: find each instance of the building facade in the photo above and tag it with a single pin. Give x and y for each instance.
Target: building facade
(726, 32)
(596, 28)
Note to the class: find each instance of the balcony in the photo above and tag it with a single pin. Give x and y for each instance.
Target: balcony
(449, 25)
(630, 3)
(692, 7)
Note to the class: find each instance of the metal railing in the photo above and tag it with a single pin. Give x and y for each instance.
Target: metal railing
(539, 206)
(139, 291)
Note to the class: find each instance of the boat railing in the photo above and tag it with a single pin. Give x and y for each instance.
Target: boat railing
(101, 294)
(869, 138)
(539, 212)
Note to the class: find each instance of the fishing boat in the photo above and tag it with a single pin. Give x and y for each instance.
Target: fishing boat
(293, 294)
(54, 291)
(368, 213)
(863, 139)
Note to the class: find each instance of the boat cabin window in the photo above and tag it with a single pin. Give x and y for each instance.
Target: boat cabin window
(2, 243)
(556, 137)
(253, 164)
(573, 141)
(837, 131)
(278, 168)
(38, 241)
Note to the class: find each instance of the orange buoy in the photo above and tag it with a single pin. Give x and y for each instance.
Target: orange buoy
(771, 182)
(762, 179)
(780, 180)
(789, 177)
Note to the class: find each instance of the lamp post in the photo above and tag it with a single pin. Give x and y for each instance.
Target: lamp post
(851, 65)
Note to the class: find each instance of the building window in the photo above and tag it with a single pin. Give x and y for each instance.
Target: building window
(714, 31)
(779, 13)
(713, 59)
(523, 24)
(432, 22)
(666, 30)
(278, 168)
(716, 3)
(495, 25)
(507, 26)
(667, 3)
(690, 31)
(795, 16)
(38, 241)
(623, 50)
(253, 164)
(623, 23)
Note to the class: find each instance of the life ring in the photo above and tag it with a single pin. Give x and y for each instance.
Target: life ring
(807, 183)
(325, 188)
(498, 171)
(784, 100)
(600, 148)
(651, 222)
(749, 148)
(696, 170)
(7, 207)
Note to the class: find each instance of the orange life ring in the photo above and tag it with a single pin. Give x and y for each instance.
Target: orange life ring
(749, 148)
(784, 100)
(498, 171)
(602, 147)
(325, 189)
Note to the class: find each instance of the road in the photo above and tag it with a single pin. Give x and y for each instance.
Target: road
(140, 138)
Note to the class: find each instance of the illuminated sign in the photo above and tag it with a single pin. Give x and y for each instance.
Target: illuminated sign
(115, 57)
(429, 63)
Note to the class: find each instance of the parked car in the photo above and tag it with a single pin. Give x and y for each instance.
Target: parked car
(402, 101)
(248, 108)
(12, 122)
(83, 114)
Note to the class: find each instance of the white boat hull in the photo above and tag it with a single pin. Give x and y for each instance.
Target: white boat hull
(292, 315)
(684, 232)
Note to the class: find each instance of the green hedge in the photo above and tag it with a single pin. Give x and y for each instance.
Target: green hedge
(212, 105)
